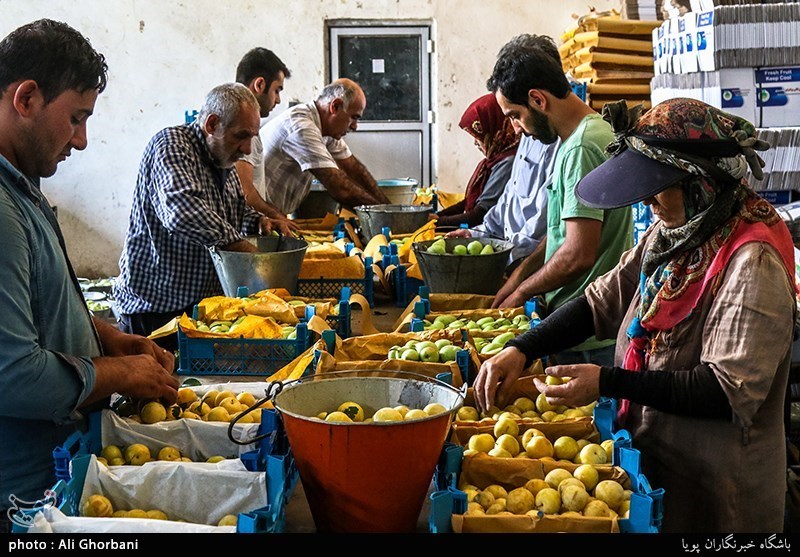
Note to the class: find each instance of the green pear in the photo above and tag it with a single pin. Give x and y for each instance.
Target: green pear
(474, 247)
(487, 249)
(460, 249)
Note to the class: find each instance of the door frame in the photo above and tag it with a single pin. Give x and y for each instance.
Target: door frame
(338, 28)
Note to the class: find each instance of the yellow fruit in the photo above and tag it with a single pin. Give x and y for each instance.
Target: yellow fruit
(597, 507)
(120, 514)
(497, 507)
(548, 501)
(555, 476)
(434, 409)
(153, 412)
(337, 417)
(624, 509)
(497, 490)
(210, 398)
(186, 396)
(549, 416)
(218, 414)
(553, 380)
(248, 399)
(528, 434)
(573, 413)
(474, 508)
(568, 482)
(574, 498)
(137, 454)
(588, 476)
(520, 500)
(506, 425)
(174, 412)
(117, 462)
(155, 514)
(489, 412)
(542, 405)
(539, 447)
(190, 415)
(525, 404)
(222, 395)
(186, 459)
(169, 453)
(467, 414)
(415, 414)
(485, 499)
(608, 445)
(353, 410)
(509, 443)
(387, 415)
(110, 452)
(137, 513)
(535, 485)
(215, 459)
(227, 520)
(565, 447)
(481, 442)
(403, 409)
(500, 452)
(229, 403)
(593, 454)
(97, 506)
(199, 408)
(102, 461)
(611, 493)
(512, 409)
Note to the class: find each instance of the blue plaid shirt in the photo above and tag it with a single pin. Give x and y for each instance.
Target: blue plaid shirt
(183, 204)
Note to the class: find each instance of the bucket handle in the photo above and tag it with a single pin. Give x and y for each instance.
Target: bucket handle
(398, 373)
(272, 390)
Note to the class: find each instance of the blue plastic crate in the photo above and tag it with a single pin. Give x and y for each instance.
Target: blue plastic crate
(330, 288)
(238, 356)
(646, 510)
(272, 456)
(341, 323)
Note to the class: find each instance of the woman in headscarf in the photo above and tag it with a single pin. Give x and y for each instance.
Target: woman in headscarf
(495, 137)
(703, 311)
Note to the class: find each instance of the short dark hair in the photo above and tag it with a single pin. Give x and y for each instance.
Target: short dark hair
(53, 54)
(528, 62)
(260, 62)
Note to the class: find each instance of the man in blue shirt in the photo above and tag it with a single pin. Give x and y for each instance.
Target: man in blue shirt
(56, 359)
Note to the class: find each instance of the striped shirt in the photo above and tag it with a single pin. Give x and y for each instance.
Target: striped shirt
(183, 204)
(293, 145)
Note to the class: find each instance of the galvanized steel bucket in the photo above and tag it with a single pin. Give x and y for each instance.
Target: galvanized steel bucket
(401, 219)
(463, 274)
(366, 477)
(276, 265)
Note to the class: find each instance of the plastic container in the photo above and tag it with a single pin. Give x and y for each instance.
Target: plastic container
(239, 356)
(366, 477)
(331, 288)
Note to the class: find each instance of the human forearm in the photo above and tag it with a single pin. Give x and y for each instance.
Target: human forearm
(362, 176)
(343, 189)
(695, 392)
(561, 269)
(472, 218)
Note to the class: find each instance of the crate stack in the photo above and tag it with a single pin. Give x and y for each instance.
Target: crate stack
(612, 56)
(643, 9)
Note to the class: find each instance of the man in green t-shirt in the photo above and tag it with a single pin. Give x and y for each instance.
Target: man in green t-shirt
(581, 243)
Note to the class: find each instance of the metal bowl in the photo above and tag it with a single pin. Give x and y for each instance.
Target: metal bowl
(400, 219)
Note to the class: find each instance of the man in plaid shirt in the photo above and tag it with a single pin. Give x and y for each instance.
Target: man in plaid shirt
(188, 198)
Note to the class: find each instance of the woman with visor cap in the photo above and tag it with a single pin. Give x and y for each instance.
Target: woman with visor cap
(702, 308)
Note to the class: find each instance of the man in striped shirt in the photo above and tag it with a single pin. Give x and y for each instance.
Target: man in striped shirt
(188, 198)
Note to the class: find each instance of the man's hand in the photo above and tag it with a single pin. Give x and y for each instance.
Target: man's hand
(265, 226)
(117, 343)
(582, 388)
(459, 233)
(285, 226)
(497, 376)
(507, 290)
(140, 376)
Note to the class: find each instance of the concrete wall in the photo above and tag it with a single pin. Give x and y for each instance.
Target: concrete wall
(164, 55)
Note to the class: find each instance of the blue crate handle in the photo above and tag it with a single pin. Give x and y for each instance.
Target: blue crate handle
(444, 504)
(386, 232)
(462, 359)
(419, 309)
(242, 292)
(329, 337)
(345, 297)
(417, 325)
(310, 312)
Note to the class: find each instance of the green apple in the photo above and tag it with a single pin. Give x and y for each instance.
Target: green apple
(448, 353)
(474, 247)
(504, 338)
(484, 320)
(393, 353)
(487, 250)
(436, 326)
(445, 318)
(441, 343)
(424, 344)
(437, 249)
(460, 249)
(410, 344)
(457, 324)
(489, 327)
(472, 325)
(429, 354)
(491, 349)
(410, 354)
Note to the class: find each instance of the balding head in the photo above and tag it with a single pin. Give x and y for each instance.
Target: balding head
(345, 89)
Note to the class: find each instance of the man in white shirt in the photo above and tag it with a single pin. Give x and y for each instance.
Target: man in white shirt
(305, 142)
(263, 73)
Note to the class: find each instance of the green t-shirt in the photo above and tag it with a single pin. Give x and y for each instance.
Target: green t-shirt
(579, 154)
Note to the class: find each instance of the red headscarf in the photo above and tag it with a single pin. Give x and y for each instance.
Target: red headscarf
(485, 121)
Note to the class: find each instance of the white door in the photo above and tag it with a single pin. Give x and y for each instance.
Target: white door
(392, 66)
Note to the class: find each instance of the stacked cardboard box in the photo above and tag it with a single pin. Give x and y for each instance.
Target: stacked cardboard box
(612, 56)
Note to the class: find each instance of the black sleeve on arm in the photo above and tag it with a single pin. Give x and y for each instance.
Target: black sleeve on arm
(566, 327)
(695, 393)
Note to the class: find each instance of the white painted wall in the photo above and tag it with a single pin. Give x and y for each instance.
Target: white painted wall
(164, 55)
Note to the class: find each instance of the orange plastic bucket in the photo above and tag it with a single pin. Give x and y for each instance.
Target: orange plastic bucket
(369, 477)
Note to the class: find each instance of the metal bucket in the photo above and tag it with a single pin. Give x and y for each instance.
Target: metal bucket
(366, 477)
(401, 219)
(400, 191)
(463, 274)
(276, 265)
(317, 203)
